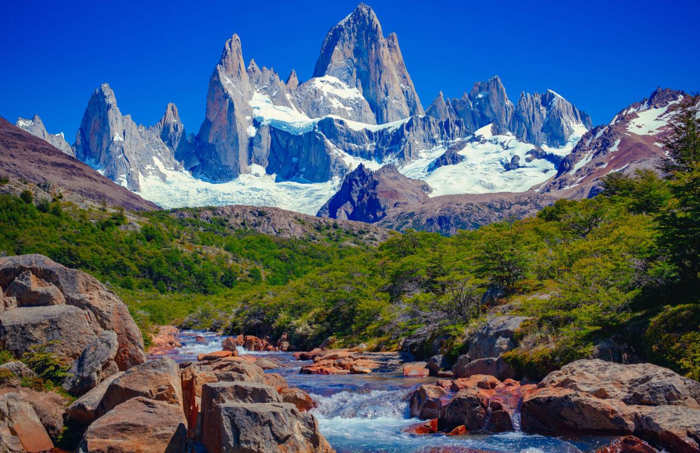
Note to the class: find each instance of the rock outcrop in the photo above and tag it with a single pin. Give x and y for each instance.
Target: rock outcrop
(366, 195)
(137, 425)
(88, 309)
(594, 396)
(356, 52)
(36, 127)
(20, 428)
(95, 364)
(495, 337)
(122, 150)
(25, 157)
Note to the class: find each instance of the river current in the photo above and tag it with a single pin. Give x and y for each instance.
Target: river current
(367, 413)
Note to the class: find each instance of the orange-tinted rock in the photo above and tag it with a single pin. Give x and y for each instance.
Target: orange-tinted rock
(416, 369)
(138, 425)
(164, 341)
(461, 430)
(628, 444)
(276, 380)
(425, 401)
(20, 427)
(214, 355)
(478, 380)
(298, 397)
(429, 427)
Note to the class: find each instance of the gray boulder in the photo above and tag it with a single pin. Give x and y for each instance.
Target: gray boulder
(98, 310)
(20, 428)
(31, 291)
(138, 425)
(23, 328)
(94, 365)
(268, 427)
(85, 409)
(495, 337)
(18, 368)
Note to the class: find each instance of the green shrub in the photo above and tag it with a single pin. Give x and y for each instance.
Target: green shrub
(48, 365)
(6, 375)
(673, 339)
(534, 364)
(6, 356)
(26, 196)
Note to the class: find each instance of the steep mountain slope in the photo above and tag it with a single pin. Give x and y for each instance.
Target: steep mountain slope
(632, 140)
(26, 157)
(356, 52)
(119, 148)
(36, 127)
(366, 195)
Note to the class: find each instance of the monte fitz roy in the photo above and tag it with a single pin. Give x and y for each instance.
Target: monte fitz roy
(269, 142)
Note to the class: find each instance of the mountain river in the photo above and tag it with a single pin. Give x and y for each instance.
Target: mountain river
(367, 413)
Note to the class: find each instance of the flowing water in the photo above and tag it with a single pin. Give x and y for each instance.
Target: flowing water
(367, 413)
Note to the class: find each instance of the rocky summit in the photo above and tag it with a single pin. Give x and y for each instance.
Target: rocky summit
(290, 143)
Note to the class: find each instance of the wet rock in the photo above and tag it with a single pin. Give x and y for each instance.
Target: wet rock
(137, 425)
(94, 365)
(248, 342)
(478, 380)
(157, 380)
(429, 427)
(298, 397)
(594, 396)
(216, 355)
(461, 430)
(628, 444)
(270, 427)
(102, 310)
(425, 401)
(164, 341)
(337, 361)
(436, 364)
(20, 427)
(417, 369)
(275, 380)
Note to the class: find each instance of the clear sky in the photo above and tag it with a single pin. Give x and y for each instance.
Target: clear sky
(601, 55)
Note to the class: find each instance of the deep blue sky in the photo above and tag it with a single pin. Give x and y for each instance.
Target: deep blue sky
(601, 55)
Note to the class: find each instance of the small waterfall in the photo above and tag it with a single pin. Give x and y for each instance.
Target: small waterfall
(241, 350)
(372, 404)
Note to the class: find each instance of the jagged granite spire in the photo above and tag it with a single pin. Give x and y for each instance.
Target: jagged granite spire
(114, 144)
(440, 109)
(36, 127)
(356, 52)
(292, 81)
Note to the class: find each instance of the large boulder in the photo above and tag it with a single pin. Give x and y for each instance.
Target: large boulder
(94, 365)
(496, 367)
(595, 396)
(425, 401)
(495, 337)
(23, 328)
(48, 406)
(139, 425)
(268, 427)
(157, 380)
(84, 410)
(35, 282)
(20, 428)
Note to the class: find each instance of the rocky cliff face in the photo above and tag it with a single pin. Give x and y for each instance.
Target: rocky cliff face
(540, 119)
(36, 127)
(119, 148)
(366, 195)
(632, 140)
(356, 52)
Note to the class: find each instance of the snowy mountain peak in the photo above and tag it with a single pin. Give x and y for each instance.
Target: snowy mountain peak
(36, 127)
(356, 52)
